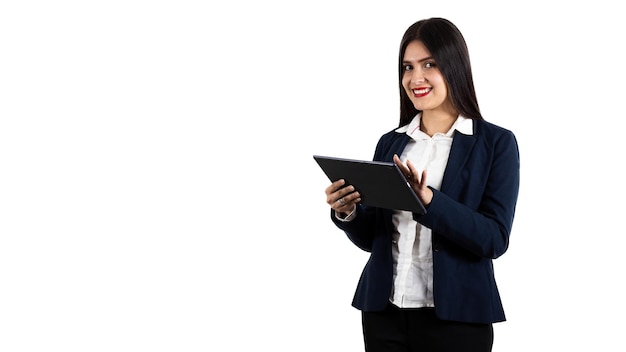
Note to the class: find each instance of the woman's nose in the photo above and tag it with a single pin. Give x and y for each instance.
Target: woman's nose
(418, 77)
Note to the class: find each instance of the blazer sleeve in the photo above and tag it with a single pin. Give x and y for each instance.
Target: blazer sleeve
(478, 216)
(361, 230)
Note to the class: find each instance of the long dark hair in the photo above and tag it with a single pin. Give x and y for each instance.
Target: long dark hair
(447, 46)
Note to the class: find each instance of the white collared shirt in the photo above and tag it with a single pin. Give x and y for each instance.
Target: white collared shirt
(411, 249)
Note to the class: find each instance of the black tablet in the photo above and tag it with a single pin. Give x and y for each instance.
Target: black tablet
(381, 184)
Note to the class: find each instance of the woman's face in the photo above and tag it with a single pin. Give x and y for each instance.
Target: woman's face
(422, 80)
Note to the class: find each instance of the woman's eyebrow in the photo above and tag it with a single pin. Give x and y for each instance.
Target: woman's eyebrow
(419, 60)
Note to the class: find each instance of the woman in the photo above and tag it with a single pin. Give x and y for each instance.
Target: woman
(429, 283)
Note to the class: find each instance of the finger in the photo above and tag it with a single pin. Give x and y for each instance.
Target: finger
(344, 192)
(334, 186)
(423, 179)
(339, 205)
(331, 191)
(347, 200)
(351, 198)
(398, 162)
(405, 170)
(413, 171)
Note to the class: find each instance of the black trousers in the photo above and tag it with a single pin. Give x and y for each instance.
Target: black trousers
(419, 329)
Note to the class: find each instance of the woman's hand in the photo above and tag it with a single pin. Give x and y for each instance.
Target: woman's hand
(342, 198)
(417, 181)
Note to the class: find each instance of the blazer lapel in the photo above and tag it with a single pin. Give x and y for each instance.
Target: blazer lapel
(396, 147)
(462, 145)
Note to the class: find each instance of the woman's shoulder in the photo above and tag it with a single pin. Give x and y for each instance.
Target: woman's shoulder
(490, 129)
(495, 137)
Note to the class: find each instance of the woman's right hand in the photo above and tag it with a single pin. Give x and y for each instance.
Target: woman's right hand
(342, 198)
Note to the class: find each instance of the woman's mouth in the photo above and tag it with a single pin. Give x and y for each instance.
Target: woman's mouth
(421, 92)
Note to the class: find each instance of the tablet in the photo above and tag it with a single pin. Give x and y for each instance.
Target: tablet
(381, 184)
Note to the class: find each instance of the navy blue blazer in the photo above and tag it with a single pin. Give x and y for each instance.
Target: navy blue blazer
(471, 217)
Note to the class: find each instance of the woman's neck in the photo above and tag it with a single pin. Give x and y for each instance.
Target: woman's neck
(437, 122)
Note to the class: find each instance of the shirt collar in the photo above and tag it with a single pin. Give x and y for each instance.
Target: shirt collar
(462, 124)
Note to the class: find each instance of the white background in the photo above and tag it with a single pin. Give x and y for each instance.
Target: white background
(158, 191)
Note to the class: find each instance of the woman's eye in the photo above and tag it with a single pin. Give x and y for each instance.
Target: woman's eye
(429, 64)
(408, 67)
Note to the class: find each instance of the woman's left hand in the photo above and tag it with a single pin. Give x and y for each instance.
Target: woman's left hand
(417, 181)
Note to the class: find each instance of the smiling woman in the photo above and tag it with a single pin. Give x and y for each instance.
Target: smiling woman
(429, 282)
